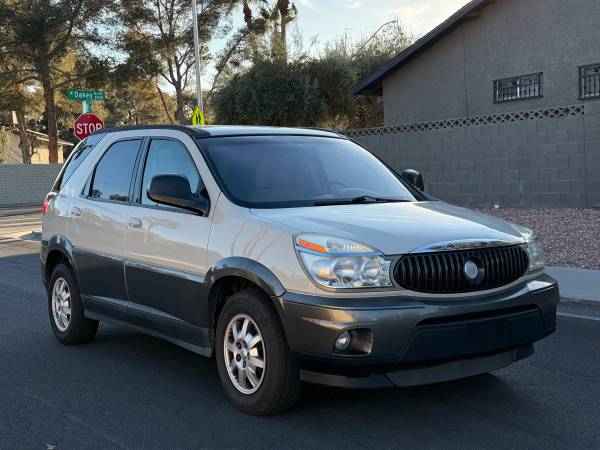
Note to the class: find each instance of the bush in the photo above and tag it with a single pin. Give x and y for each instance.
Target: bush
(271, 93)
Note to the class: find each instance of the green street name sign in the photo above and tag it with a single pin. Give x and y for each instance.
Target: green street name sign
(85, 94)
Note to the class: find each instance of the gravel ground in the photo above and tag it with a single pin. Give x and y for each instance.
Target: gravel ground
(571, 236)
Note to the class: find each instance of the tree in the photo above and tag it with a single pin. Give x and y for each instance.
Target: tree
(259, 32)
(45, 36)
(130, 101)
(310, 90)
(5, 138)
(286, 14)
(20, 98)
(271, 93)
(272, 21)
(366, 56)
(158, 38)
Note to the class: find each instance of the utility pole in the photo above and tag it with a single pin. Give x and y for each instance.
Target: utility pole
(199, 101)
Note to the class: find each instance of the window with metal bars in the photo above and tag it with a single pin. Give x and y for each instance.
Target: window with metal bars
(518, 88)
(589, 81)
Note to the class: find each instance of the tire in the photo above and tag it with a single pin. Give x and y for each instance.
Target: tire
(279, 385)
(71, 327)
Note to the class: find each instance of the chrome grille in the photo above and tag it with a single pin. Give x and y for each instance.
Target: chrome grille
(443, 272)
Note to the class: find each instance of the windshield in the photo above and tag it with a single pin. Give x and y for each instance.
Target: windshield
(292, 171)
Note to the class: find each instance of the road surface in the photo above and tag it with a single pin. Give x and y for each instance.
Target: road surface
(129, 390)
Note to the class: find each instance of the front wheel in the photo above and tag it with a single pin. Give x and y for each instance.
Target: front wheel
(253, 360)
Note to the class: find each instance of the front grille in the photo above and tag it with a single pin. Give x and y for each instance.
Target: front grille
(444, 273)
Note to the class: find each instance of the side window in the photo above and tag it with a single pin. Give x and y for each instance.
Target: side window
(169, 157)
(77, 156)
(112, 176)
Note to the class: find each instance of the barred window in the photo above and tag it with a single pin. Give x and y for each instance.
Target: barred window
(518, 88)
(589, 81)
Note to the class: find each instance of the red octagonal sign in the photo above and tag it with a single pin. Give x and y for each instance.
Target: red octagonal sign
(86, 124)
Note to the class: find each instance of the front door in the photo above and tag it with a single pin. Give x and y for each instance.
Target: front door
(166, 249)
(97, 229)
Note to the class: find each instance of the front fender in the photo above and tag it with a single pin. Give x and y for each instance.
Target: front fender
(245, 268)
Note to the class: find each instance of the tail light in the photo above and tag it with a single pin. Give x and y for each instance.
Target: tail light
(47, 201)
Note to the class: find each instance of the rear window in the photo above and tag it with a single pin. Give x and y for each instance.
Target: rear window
(77, 156)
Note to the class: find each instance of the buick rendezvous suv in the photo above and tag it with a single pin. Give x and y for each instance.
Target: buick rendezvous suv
(291, 255)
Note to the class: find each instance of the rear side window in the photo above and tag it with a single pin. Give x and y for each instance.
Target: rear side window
(77, 156)
(112, 176)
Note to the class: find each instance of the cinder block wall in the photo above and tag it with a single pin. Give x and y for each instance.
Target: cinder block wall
(530, 163)
(26, 184)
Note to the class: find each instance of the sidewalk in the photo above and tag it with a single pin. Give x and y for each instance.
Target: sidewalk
(20, 223)
(577, 284)
(20, 230)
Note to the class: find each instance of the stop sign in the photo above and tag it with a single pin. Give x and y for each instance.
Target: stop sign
(86, 124)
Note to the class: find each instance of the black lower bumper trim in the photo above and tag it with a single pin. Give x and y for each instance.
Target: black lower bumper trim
(473, 334)
(420, 375)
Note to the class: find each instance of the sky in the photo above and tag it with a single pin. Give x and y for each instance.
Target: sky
(316, 17)
(328, 19)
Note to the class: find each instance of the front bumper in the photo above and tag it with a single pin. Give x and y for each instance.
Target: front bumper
(406, 341)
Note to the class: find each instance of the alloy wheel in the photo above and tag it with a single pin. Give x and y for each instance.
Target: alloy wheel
(61, 304)
(244, 352)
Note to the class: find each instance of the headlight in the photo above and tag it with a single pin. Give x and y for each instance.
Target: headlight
(536, 255)
(341, 263)
(534, 247)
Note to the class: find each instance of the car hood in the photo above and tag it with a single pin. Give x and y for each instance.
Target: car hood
(395, 228)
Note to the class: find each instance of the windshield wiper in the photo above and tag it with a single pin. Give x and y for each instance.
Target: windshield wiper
(363, 199)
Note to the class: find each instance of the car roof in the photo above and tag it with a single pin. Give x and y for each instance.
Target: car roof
(228, 130)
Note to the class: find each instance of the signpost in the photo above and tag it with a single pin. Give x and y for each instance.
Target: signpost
(198, 117)
(85, 94)
(86, 124)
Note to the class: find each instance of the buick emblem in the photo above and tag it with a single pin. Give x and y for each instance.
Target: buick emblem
(472, 272)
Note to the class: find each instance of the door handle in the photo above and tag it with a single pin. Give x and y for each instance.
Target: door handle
(75, 211)
(133, 222)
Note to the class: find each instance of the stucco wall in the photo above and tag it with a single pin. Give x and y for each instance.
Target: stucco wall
(544, 162)
(26, 184)
(454, 78)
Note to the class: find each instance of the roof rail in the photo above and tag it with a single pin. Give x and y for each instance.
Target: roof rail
(322, 129)
(192, 131)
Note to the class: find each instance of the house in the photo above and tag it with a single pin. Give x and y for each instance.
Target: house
(492, 57)
(10, 152)
(498, 105)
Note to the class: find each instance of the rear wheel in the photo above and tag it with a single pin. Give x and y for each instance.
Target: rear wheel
(253, 360)
(65, 309)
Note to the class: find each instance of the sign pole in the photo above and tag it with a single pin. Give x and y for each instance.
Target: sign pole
(87, 122)
(86, 106)
(197, 58)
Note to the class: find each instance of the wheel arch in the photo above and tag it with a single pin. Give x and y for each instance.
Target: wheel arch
(58, 249)
(230, 275)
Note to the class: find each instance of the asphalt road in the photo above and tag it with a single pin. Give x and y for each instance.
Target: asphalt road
(128, 390)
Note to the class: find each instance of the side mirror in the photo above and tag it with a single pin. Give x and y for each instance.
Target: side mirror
(414, 178)
(174, 190)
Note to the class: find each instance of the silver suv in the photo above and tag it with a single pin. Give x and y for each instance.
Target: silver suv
(292, 255)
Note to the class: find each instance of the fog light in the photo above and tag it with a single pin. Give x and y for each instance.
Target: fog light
(343, 341)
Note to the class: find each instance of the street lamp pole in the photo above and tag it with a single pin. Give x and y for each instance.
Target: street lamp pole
(376, 33)
(197, 57)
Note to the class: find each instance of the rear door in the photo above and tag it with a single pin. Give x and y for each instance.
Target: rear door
(97, 227)
(56, 219)
(166, 247)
